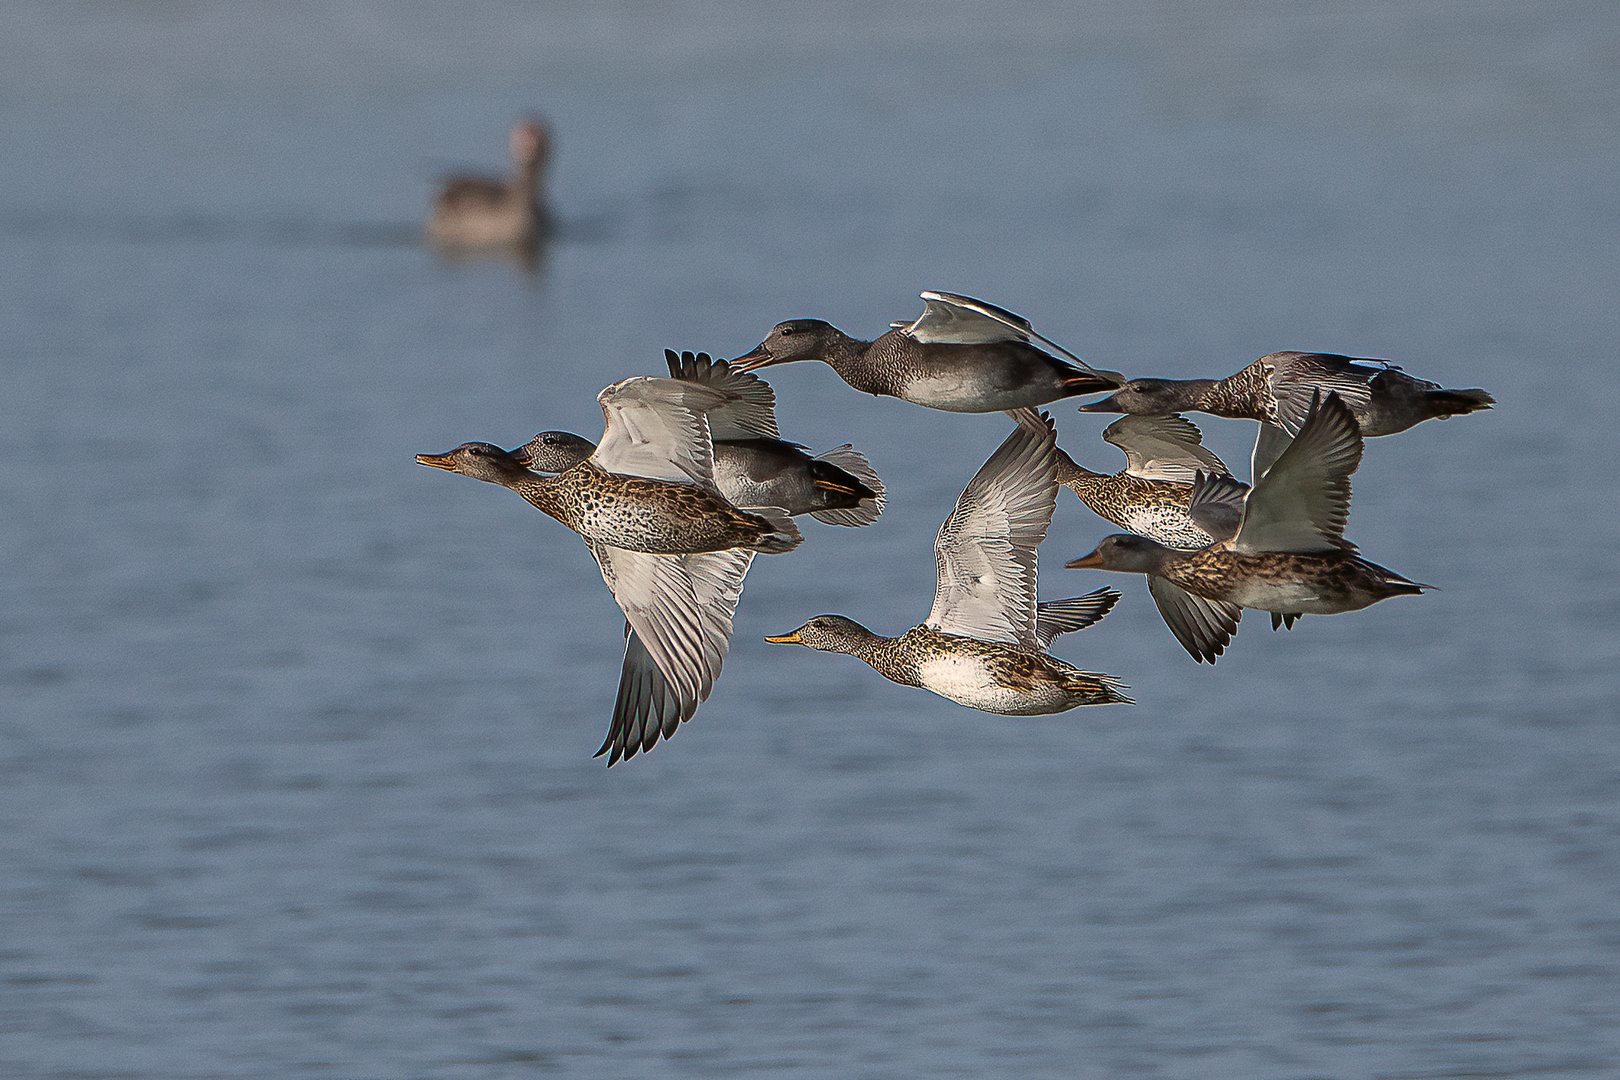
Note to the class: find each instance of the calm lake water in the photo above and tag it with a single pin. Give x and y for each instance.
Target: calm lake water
(296, 736)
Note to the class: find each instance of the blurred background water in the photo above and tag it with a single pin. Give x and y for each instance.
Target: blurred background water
(295, 736)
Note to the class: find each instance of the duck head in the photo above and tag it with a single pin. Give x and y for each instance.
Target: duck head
(827, 633)
(796, 339)
(554, 451)
(1145, 397)
(1123, 552)
(481, 461)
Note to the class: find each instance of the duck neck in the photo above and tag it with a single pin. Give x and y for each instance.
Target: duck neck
(1200, 393)
(850, 356)
(1075, 477)
(856, 640)
(545, 494)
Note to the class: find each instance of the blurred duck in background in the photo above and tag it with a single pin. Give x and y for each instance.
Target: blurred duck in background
(473, 212)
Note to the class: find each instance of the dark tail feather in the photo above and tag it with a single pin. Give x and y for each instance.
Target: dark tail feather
(1444, 403)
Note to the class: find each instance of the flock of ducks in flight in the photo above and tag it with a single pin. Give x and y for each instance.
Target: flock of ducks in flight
(692, 478)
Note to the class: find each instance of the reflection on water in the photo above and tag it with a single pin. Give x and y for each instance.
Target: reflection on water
(296, 741)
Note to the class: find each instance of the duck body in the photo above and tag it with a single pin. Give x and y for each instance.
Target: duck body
(748, 472)
(961, 355)
(1152, 495)
(997, 678)
(654, 516)
(1277, 389)
(1285, 583)
(479, 211)
(984, 642)
(1151, 508)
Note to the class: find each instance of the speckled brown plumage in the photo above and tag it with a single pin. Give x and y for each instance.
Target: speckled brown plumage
(629, 512)
(1152, 508)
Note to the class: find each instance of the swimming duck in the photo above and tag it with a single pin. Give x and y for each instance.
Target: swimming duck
(1149, 497)
(671, 549)
(1277, 390)
(984, 642)
(479, 211)
(753, 466)
(1287, 556)
(960, 355)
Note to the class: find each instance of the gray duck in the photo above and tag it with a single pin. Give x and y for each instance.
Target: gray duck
(671, 549)
(480, 211)
(984, 642)
(753, 465)
(1288, 555)
(1277, 390)
(960, 355)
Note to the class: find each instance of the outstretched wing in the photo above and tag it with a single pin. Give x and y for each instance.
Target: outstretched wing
(1204, 627)
(1302, 502)
(1054, 617)
(1216, 505)
(1163, 448)
(951, 318)
(657, 428)
(750, 408)
(647, 706)
(1296, 377)
(680, 607)
(985, 550)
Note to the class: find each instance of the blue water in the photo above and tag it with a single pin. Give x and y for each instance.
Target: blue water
(295, 736)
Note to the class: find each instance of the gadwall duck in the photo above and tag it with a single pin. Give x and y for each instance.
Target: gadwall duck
(960, 355)
(671, 549)
(1288, 555)
(984, 642)
(1277, 390)
(752, 468)
(753, 465)
(480, 211)
(1149, 497)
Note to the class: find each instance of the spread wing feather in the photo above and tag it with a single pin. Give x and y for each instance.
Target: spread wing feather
(1302, 502)
(1163, 448)
(985, 550)
(657, 428)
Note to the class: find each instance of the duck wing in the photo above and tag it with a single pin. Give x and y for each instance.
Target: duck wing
(1216, 505)
(1204, 627)
(647, 705)
(985, 550)
(1296, 376)
(680, 608)
(1268, 447)
(1054, 617)
(1303, 502)
(1163, 448)
(954, 319)
(750, 409)
(658, 428)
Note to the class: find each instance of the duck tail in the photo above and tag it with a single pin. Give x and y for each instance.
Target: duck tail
(1099, 689)
(850, 460)
(1444, 403)
(780, 535)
